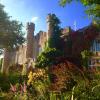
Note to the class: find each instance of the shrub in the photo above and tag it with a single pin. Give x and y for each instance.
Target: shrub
(48, 57)
(85, 57)
(38, 84)
(64, 76)
(6, 80)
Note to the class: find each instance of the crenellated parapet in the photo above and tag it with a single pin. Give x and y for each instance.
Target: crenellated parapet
(30, 27)
(49, 17)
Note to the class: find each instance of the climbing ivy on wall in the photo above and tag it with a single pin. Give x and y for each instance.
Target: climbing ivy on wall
(55, 40)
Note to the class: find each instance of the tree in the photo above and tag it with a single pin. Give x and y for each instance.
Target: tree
(11, 36)
(93, 7)
(55, 40)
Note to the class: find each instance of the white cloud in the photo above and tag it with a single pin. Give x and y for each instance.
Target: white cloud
(34, 19)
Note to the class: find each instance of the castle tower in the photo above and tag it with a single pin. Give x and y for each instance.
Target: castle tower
(49, 26)
(30, 40)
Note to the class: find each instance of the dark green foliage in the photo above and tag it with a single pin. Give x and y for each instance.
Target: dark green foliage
(88, 92)
(92, 7)
(55, 40)
(48, 57)
(85, 57)
(11, 78)
(64, 2)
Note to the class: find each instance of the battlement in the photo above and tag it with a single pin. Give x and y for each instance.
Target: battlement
(30, 26)
(49, 17)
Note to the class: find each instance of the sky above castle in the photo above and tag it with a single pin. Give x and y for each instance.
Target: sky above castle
(37, 11)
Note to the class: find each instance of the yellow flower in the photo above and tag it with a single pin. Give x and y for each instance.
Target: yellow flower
(34, 74)
(30, 75)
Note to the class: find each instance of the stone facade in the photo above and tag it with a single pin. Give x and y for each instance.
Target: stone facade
(73, 42)
(29, 50)
(33, 46)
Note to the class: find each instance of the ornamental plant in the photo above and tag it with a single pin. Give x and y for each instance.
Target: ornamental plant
(64, 76)
(38, 82)
(19, 91)
(36, 75)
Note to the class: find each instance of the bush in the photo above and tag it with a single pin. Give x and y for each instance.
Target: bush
(6, 80)
(48, 57)
(38, 83)
(64, 75)
(85, 57)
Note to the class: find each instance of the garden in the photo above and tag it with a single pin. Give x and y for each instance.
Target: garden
(61, 81)
(55, 75)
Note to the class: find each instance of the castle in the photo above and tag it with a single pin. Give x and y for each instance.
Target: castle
(36, 43)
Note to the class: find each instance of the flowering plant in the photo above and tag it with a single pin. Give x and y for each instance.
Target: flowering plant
(39, 74)
(38, 83)
(19, 91)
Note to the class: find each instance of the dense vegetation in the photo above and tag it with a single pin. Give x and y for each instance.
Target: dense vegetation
(64, 81)
(53, 50)
(48, 57)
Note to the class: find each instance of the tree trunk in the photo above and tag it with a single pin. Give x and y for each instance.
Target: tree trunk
(6, 62)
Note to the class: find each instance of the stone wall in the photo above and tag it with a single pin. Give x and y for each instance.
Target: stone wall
(18, 56)
(34, 44)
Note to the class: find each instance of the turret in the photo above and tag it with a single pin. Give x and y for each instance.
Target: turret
(30, 39)
(30, 28)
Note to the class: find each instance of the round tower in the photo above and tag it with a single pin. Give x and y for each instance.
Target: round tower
(30, 39)
(49, 26)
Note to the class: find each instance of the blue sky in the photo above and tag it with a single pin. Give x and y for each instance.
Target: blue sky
(37, 10)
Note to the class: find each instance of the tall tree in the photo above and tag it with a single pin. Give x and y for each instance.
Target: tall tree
(92, 7)
(11, 36)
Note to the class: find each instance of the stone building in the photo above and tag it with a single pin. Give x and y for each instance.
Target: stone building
(87, 38)
(33, 46)
(74, 43)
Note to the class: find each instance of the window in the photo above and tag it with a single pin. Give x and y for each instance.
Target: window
(95, 46)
